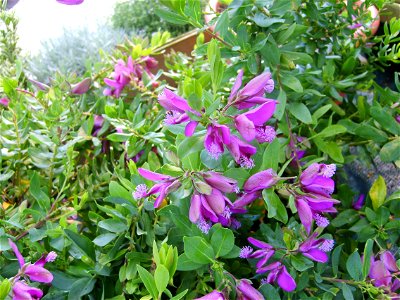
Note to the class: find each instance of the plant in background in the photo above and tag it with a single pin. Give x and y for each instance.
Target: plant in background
(140, 18)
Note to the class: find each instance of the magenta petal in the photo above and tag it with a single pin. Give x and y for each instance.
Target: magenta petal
(39, 274)
(70, 2)
(81, 87)
(309, 174)
(248, 291)
(153, 176)
(259, 244)
(380, 274)
(160, 197)
(190, 128)
(305, 213)
(261, 114)
(206, 210)
(389, 261)
(261, 180)
(285, 281)
(214, 295)
(195, 206)
(246, 199)
(171, 101)
(20, 258)
(225, 133)
(255, 87)
(22, 291)
(245, 127)
(220, 182)
(216, 201)
(316, 255)
(236, 86)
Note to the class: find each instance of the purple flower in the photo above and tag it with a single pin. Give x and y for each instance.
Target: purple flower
(245, 291)
(81, 87)
(315, 249)
(22, 291)
(213, 208)
(241, 152)
(380, 274)
(121, 77)
(310, 205)
(397, 118)
(177, 108)
(261, 180)
(246, 199)
(36, 271)
(389, 261)
(4, 102)
(265, 252)
(150, 62)
(278, 273)
(251, 123)
(97, 125)
(214, 295)
(216, 137)
(70, 2)
(164, 185)
(40, 85)
(265, 134)
(253, 92)
(358, 204)
(220, 182)
(316, 179)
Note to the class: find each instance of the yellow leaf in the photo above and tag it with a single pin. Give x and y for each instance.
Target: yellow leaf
(377, 192)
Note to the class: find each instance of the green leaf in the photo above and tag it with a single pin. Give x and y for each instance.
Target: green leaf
(202, 187)
(334, 151)
(275, 207)
(222, 241)
(170, 16)
(82, 242)
(270, 156)
(353, 266)
(5, 288)
(320, 112)
(198, 250)
(280, 107)
(113, 225)
(293, 83)
(332, 130)
(180, 295)
(216, 66)
(190, 145)
(367, 255)
(81, 287)
(263, 21)
(347, 294)
(390, 151)
(119, 137)
(284, 35)
(37, 193)
(117, 190)
(186, 264)
(385, 119)
(371, 133)
(377, 193)
(148, 281)
(269, 292)
(300, 263)
(238, 174)
(161, 277)
(103, 239)
(300, 112)
(335, 259)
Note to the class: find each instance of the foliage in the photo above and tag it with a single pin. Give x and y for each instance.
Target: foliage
(239, 156)
(139, 17)
(9, 50)
(75, 51)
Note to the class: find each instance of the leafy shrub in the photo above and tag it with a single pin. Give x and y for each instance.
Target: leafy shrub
(75, 51)
(139, 17)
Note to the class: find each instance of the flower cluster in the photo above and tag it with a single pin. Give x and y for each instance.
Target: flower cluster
(210, 205)
(381, 272)
(315, 198)
(164, 185)
(35, 272)
(277, 271)
(124, 73)
(250, 125)
(315, 249)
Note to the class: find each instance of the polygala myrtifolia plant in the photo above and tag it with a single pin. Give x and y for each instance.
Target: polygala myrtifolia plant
(229, 185)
